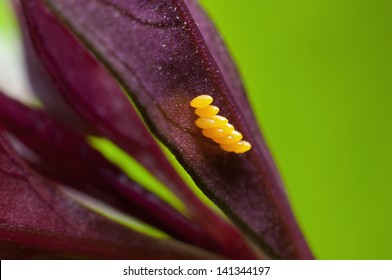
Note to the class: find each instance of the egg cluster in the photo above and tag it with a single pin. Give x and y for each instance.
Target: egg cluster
(217, 127)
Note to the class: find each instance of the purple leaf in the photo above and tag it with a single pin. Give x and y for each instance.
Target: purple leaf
(70, 157)
(163, 60)
(38, 221)
(91, 91)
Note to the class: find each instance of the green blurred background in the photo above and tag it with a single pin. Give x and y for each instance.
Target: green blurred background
(318, 74)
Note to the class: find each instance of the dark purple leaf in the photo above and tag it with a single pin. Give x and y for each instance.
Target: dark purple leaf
(38, 221)
(47, 92)
(98, 99)
(163, 60)
(69, 156)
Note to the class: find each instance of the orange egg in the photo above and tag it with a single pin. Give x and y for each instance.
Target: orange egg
(217, 127)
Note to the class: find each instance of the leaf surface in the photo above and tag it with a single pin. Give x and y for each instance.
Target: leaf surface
(93, 93)
(38, 221)
(63, 154)
(158, 53)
